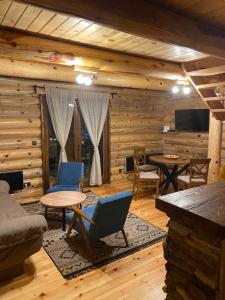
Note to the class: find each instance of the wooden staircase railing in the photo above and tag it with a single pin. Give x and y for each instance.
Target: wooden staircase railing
(206, 75)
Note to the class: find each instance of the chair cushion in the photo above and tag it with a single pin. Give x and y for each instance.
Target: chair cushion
(186, 179)
(59, 188)
(89, 211)
(149, 175)
(147, 168)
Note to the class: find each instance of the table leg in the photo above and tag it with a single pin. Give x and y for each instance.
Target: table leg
(173, 177)
(170, 178)
(63, 219)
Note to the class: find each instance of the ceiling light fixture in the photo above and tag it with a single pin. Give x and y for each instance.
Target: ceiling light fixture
(80, 79)
(87, 80)
(181, 86)
(186, 90)
(175, 89)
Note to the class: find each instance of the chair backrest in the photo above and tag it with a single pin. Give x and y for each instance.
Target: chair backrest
(139, 157)
(199, 168)
(110, 215)
(70, 173)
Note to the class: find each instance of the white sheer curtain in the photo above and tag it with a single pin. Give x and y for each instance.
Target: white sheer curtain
(60, 106)
(94, 107)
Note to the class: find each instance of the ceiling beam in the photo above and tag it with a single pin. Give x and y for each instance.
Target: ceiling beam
(144, 19)
(21, 46)
(60, 73)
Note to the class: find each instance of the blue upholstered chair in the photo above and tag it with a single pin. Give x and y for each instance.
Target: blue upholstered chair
(69, 178)
(97, 221)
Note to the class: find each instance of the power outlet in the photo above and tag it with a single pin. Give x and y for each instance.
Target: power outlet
(27, 184)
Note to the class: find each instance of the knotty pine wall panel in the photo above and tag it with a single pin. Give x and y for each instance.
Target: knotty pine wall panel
(20, 136)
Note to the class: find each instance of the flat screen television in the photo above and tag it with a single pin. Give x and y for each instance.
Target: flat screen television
(14, 179)
(192, 120)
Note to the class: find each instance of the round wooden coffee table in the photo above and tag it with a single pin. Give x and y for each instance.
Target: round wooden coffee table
(63, 200)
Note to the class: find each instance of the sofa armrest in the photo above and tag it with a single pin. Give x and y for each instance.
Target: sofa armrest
(19, 230)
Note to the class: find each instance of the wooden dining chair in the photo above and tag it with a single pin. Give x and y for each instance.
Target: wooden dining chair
(143, 179)
(198, 174)
(140, 156)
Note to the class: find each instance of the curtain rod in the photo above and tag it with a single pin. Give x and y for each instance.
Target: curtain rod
(42, 87)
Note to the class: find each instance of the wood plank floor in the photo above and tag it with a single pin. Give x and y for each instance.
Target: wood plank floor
(136, 277)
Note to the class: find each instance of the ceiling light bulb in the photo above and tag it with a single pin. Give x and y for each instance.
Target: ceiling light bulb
(186, 90)
(175, 89)
(87, 81)
(80, 79)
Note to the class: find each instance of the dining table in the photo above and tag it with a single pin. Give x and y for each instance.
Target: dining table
(171, 166)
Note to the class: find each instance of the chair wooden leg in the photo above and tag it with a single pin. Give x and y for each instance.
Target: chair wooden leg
(125, 237)
(134, 185)
(138, 188)
(157, 189)
(84, 234)
(72, 223)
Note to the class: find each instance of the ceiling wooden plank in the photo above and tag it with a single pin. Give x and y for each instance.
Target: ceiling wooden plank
(29, 15)
(65, 27)
(4, 6)
(144, 19)
(56, 21)
(76, 29)
(41, 20)
(14, 12)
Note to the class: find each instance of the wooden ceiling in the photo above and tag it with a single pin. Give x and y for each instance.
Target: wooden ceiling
(46, 22)
(209, 11)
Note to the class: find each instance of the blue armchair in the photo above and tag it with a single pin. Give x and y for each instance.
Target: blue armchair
(70, 175)
(97, 221)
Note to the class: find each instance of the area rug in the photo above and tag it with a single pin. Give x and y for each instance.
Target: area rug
(70, 255)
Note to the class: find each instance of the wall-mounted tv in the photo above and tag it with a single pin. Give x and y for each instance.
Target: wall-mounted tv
(14, 179)
(192, 120)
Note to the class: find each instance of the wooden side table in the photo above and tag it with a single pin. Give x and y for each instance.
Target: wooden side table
(63, 200)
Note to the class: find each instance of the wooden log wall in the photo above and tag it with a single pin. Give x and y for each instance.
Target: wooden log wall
(185, 144)
(20, 136)
(136, 118)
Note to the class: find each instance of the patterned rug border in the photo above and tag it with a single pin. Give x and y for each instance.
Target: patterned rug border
(110, 260)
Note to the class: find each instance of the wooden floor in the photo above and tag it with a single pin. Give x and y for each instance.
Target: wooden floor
(135, 277)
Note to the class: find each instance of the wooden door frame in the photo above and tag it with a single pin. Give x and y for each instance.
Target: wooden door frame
(44, 142)
(106, 178)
